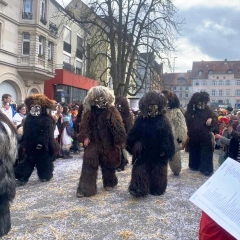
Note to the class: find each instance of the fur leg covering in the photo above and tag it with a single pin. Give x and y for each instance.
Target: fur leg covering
(109, 177)
(140, 182)
(5, 221)
(194, 155)
(45, 167)
(88, 181)
(24, 169)
(206, 159)
(175, 163)
(158, 179)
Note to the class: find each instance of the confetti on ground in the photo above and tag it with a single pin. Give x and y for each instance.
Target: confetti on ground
(51, 211)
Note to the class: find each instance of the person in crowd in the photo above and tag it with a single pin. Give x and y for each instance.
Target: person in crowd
(20, 114)
(7, 98)
(122, 105)
(6, 110)
(103, 134)
(8, 153)
(76, 129)
(179, 128)
(38, 140)
(66, 137)
(151, 143)
(201, 119)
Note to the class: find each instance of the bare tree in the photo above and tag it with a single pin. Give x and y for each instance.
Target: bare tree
(121, 29)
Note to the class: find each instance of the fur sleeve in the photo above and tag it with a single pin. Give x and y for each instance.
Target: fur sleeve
(129, 123)
(84, 127)
(134, 135)
(8, 151)
(116, 127)
(180, 126)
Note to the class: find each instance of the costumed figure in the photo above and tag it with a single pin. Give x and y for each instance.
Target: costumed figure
(103, 136)
(151, 143)
(8, 153)
(179, 129)
(201, 119)
(122, 105)
(39, 146)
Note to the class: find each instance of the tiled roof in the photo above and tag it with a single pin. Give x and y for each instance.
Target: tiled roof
(217, 67)
(172, 78)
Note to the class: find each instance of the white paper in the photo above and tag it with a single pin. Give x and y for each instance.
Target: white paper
(219, 197)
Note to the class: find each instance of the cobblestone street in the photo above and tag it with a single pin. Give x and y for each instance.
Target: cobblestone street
(52, 211)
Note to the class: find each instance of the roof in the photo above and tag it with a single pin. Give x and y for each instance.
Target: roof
(172, 78)
(217, 67)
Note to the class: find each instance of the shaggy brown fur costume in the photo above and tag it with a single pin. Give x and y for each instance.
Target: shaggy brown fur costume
(122, 105)
(179, 128)
(200, 133)
(151, 143)
(38, 140)
(103, 135)
(8, 152)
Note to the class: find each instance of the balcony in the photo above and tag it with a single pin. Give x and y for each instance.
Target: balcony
(67, 47)
(27, 15)
(53, 29)
(68, 67)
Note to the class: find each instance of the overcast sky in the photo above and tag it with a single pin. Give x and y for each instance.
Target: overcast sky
(211, 31)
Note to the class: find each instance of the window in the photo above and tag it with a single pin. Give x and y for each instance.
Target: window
(213, 82)
(79, 52)
(67, 40)
(237, 92)
(181, 80)
(220, 92)
(210, 72)
(50, 51)
(229, 71)
(174, 88)
(213, 101)
(197, 83)
(66, 58)
(200, 73)
(40, 46)
(213, 92)
(227, 82)
(27, 9)
(220, 82)
(186, 95)
(204, 82)
(238, 82)
(26, 44)
(180, 88)
(227, 92)
(78, 67)
(43, 9)
(180, 95)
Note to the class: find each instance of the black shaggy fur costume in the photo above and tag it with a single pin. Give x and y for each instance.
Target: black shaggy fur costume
(38, 143)
(122, 105)
(103, 127)
(151, 143)
(8, 152)
(201, 138)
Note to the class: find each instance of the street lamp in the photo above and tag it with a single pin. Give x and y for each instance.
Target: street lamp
(174, 64)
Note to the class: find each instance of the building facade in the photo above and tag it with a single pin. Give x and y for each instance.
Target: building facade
(221, 79)
(27, 48)
(180, 84)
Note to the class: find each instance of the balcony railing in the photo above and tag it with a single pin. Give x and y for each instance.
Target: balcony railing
(27, 15)
(68, 67)
(67, 47)
(53, 29)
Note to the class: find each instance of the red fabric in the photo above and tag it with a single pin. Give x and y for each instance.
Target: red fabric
(210, 230)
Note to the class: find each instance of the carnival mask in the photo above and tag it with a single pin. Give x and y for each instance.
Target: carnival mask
(101, 103)
(35, 110)
(200, 105)
(153, 110)
(119, 107)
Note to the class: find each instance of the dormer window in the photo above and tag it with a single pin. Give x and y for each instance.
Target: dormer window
(210, 72)
(229, 71)
(27, 9)
(200, 73)
(43, 11)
